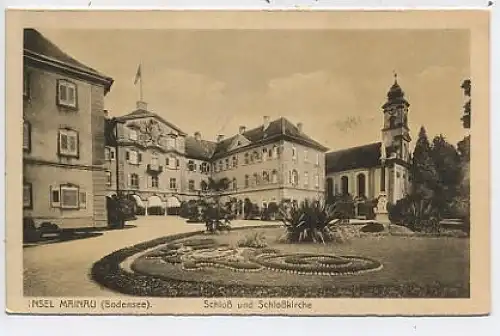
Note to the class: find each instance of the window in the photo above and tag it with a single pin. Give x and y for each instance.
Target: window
(227, 164)
(191, 166)
(69, 197)
(264, 154)
(177, 163)
(133, 157)
(306, 158)
(306, 179)
(203, 185)
(265, 177)
(235, 161)
(27, 196)
(26, 84)
(256, 179)
(154, 159)
(26, 136)
(134, 181)
(234, 184)
(329, 187)
(361, 185)
(247, 181)
(276, 151)
(171, 142)
(247, 158)
(255, 156)
(68, 142)
(274, 177)
(155, 181)
(83, 199)
(205, 167)
(66, 93)
(220, 165)
(295, 177)
(294, 153)
(344, 181)
(316, 181)
(109, 178)
(132, 134)
(191, 185)
(173, 183)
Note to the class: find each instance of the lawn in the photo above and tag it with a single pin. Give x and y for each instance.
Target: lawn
(411, 266)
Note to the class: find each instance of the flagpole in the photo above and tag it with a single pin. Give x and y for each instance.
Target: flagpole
(141, 83)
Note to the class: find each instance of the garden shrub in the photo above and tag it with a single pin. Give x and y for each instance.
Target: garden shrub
(30, 232)
(373, 227)
(416, 213)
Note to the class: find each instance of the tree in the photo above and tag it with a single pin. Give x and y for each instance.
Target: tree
(466, 117)
(447, 163)
(423, 173)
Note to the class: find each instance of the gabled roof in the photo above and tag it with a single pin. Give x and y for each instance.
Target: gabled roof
(280, 128)
(141, 113)
(366, 156)
(199, 149)
(39, 47)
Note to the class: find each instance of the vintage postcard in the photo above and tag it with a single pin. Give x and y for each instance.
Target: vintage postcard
(248, 162)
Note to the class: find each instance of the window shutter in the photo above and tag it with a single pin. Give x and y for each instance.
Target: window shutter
(83, 199)
(55, 197)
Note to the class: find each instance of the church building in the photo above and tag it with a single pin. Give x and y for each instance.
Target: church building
(377, 170)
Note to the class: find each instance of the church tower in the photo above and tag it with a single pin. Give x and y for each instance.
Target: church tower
(395, 148)
(395, 133)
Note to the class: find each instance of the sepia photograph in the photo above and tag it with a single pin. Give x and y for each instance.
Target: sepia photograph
(252, 170)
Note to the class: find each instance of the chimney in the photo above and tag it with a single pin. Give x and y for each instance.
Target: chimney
(220, 137)
(266, 122)
(142, 105)
(242, 129)
(197, 136)
(299, 127)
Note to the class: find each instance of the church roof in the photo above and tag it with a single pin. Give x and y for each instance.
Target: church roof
(38, 46)
(366, 156)
(278, 129)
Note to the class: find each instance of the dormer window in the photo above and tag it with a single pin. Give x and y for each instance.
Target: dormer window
(66, 93)
(132, 134)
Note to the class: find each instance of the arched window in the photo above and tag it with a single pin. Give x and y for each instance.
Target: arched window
(329, 187)
(191, 165)
(392, 121)
(235, 184)
(247, 181)
(345, 185)
(274, 177)
(295, 177)
(265, 177)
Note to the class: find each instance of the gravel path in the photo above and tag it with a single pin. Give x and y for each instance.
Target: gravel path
(63, 269)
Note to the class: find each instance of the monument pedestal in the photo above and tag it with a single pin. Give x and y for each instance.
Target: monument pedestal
(381, 214)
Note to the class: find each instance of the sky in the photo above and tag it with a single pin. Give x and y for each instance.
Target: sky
(333, 81)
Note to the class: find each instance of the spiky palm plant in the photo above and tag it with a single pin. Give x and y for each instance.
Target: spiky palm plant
(310, 222)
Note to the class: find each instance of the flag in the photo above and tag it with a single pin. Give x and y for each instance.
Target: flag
(138, 75)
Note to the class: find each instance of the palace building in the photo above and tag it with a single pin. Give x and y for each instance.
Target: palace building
(63, 137)
(160, 166)
(378, 170)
